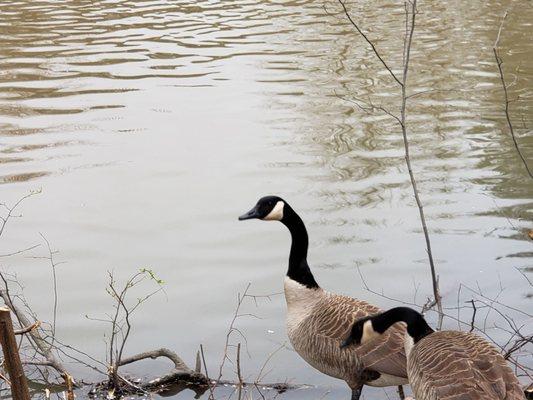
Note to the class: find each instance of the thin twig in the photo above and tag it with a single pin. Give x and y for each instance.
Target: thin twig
(211, 394)
(495, 301)
(232, 329)
(53, 265)
(239, 376)
(259, 391)
(499, 62)
(472, 322)
(260, 375)
(374, 49)
(14, 253)
(27, 329)
(10, 209)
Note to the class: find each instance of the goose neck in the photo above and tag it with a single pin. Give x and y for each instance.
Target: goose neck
(417, 327)
(298, 268)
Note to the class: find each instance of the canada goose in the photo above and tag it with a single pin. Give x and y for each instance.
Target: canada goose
(317, 321)
(446, 364)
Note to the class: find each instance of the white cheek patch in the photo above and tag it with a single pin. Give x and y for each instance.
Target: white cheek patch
(368, 332)
(408, 344)
(277, 212)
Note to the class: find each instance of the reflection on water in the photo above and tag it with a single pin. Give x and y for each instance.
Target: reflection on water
(151, 125)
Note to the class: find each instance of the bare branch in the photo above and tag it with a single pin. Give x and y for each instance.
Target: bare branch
(239, 376)
(19, 251)
(260, 375)
(410, 13)
(11, 209)
(179, 364)
(27, 329)
(211, 394)
(53, 265)
(232, 329)
(423, 92)
(374, 49)
(410, 23)
(495, 301)
(370, 107)
(499, 62)
(472, 323)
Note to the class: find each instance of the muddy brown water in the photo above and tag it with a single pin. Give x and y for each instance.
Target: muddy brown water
(150, 126)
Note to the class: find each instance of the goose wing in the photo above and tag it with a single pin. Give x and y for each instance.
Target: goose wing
(492, 368)
(334, 321)
(452, 365)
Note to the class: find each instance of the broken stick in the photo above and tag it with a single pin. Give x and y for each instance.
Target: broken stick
(19, 386)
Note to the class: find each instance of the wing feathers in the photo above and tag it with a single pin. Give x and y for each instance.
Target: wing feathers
(452, 365)
(318, 339)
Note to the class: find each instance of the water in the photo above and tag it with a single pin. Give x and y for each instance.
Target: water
(150, 126)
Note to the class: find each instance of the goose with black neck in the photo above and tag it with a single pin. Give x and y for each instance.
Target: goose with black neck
(443, 365)
(318, 321)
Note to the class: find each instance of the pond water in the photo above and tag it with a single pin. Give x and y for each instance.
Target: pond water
(149, 126)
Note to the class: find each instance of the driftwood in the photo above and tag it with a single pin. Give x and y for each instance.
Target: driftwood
(19, 386)
(180, 373)
(177, 379)
(181, 377)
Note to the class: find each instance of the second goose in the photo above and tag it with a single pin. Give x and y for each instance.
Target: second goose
(318, 321)
(445, 365)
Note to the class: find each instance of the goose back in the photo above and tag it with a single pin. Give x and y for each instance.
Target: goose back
(453, 365)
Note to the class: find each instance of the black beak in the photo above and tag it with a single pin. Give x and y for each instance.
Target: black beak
(250, 215)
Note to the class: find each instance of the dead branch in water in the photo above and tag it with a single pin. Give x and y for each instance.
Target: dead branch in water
(410, 23)
(181, 373)
(499, 63)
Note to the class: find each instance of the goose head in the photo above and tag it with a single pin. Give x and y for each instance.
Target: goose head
(362, 332)
(369, 328)
(268, 208)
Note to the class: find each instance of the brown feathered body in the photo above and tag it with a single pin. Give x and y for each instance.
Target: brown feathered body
(318, 322)
(453, 365)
